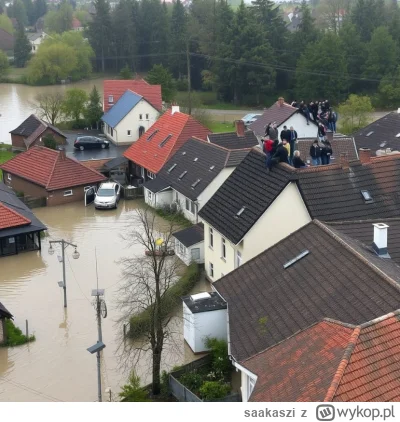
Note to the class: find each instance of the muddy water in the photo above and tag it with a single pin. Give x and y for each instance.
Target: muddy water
(57, 366)
(17, 102)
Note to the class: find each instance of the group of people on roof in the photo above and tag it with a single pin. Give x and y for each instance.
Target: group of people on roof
(319, 112)
(281, 149)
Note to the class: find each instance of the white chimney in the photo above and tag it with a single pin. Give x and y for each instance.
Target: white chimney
(398, 110)
(380, 239)
(174, 109)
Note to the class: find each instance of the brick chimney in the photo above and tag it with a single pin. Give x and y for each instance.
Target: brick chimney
(281, 101)
(240, 128)
(365, 155)
(344, 160)
(61, 152)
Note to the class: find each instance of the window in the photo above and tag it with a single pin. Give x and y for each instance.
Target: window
(68, 192)
(176, 197)
(238, 259)
(164, 141)
(171, 168)
(111, 132)
(182, 249)
(147, 117)
(8, 176)
(251, 383)
(142, 172)
(110, 99)
(149, 195)
(140, 116)
(195, 254)
(86, 188)
(129, 133)
(211, 238)
(223, 249)
(182, 175)
(211, 270)
(150, 175)
(152, 134)
(141, 131)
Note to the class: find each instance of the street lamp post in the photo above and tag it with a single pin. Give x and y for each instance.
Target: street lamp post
(64, 244)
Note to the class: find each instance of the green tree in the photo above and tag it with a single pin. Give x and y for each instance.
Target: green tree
(382, 56)
(22, 48)
(30, 12)
(100, 32)
(49, 105)
(4, 64)
(178, 39)
(389, 90)
(49, 141)
(354, 113)
(6, 24)
(52, 63)
(366, 16)
(159, 75)
(82, 16)
(126, 72)
(40, 8)
(321, 71)
(394, 21)
(17, 11)
(74, 104)
(93, 110)
(60, 20)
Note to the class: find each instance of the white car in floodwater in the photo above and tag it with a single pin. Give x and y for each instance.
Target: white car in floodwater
(107, 195)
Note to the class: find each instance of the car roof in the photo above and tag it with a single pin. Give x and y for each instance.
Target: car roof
(108, 185)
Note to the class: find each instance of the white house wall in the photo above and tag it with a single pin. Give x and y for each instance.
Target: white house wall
(209, 324)
(132, 122)
(186, 257)
(284, 216)
(299, 123)
(157, 200)
(188, 326)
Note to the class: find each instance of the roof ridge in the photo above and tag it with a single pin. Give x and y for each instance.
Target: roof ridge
(372, 123)
(380, 319)
(367, 220)
(212, 144)
(54, 166)
(342, 365)
(354, 252)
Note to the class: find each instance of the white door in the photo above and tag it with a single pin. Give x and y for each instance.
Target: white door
(90, 194)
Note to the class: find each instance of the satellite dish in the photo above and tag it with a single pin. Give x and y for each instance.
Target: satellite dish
(103, 309)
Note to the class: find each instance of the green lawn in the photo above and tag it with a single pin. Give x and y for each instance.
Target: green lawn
(5, 156)
(206, 100)
(217, 127)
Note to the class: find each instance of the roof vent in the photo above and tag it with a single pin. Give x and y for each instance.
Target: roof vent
(195, 159)
(398, 135)
(369, 133)
(212, 168)
(380, 240)
(200, 296)
(240, 212)
(172, 167)
(151, 135)
(164, 141)
(297, 258)
(366, 196)
(184, 153)
(196, 183)
(182, 175)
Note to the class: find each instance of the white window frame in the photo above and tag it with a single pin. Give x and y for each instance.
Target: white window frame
(182, 249)
(251, 383)
(68, 192)
(239, 259)
(142, 172)
(111, 99)
(211, 238)
(86, 188)
(150, 175)
(211, 270)
(223, 248)
(9, 176)
(189, 205)
(140, 116)
(129, 132)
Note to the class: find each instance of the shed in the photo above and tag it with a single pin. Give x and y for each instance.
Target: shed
(189, 244)
(205, 315)
(4, 314)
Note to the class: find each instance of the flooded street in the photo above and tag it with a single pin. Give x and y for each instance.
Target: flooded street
(17, 102)
(57, 365)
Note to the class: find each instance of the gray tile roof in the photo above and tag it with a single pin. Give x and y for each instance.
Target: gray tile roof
(192, 235)
(380, 134)
(202, 161)
(338, 278)
(250, 186)
(231, 140)
(33, 124)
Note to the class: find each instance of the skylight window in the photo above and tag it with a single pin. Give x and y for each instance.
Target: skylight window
(212, 168)
(172, 167)
(152, 134)
(366, 195)
(383, 144)
(398, 135)
(369, 133)
(296, 259)
(164, 141)
(240, 212)
(196, 183)
(182, 175)
(184, 153)
(195, 159)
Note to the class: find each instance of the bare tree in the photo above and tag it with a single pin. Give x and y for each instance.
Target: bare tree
(49, 106)
(146, 287)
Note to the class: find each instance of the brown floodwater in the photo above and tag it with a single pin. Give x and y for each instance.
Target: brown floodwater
(57, 366)
(17, 102)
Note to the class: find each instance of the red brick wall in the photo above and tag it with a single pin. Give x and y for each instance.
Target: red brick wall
(22, 185)
(57, 197)
(18, 141)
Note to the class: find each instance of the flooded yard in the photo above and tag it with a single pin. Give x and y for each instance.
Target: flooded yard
(57, 366)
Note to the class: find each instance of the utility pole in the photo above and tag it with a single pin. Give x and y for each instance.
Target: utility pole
(64, 244)
(189, 78)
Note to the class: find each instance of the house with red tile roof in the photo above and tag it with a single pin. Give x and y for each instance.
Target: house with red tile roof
(19, 228)
(76, 24)
(331, 362)
(114, 89)
(161, 141)
(32, 131)
(45, 173)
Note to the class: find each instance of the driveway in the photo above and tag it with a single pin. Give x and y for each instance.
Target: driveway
(92, 154)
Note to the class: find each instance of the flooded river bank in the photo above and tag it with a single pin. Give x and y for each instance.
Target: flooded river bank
(57, 367)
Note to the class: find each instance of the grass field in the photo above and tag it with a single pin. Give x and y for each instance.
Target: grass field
(5, 155)
(217, 127)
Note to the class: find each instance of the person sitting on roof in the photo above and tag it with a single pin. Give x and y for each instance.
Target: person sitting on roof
(286, 144)
(281, 156)
(297, 162)
(268, 146)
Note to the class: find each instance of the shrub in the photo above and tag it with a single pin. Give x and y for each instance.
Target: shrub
(49, 141)
(132, 392)
(214, 390)
(220, 364)
(15, 336)
(165, 384)
(192, 381)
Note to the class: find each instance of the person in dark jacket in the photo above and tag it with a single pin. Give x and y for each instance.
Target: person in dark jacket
(321, 132)
(314, 110)
(326, 153)
(281, 156)
(298, 163)
(284, 134)
(267, 128)
(273, 132)
(292, 139)
(315, 153)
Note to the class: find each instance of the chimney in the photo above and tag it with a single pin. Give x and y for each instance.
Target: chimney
(398, 110)
(329, 135)
(61, 151)
(239, 127)
(281, 101)
(380, 239)
(343, 160)
(174, 109)
(365, 155)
